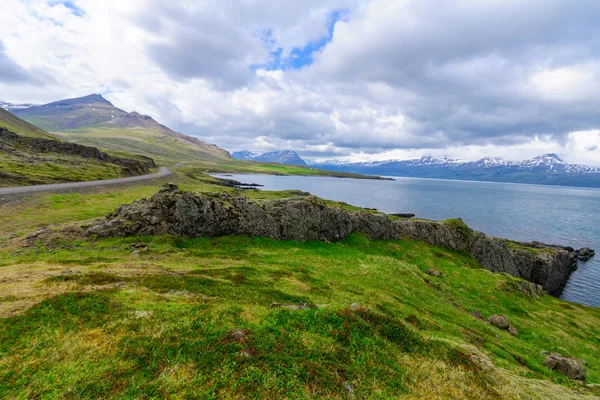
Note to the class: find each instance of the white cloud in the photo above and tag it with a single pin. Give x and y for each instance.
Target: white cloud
(399, 78)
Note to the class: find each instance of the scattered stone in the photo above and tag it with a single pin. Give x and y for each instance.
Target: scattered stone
(237, 336)
(142, 314)
(572, 368)
(530, 289)
(68, 272)
(501, 322)
(135, 253)
(245, 354)
(140, 245)
(434, 272)
(355, 306)
(173, 292)
(478, 315)
(275, 305)
(302, 306)
(348, 388)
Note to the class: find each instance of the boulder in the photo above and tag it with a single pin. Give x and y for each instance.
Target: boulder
(572, 368)
(499, 321)
(434, 272)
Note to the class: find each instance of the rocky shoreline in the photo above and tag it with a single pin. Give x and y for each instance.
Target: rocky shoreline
(177, 213)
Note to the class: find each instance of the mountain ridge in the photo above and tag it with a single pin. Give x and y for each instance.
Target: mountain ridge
(288, 157)
(94, 121)
(548, 169)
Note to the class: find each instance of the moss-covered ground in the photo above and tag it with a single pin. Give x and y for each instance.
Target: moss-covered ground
(191, 317)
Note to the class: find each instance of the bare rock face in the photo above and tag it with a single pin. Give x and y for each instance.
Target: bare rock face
(572, 368)
(309, 218)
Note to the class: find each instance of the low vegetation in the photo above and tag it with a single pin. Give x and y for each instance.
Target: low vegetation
(241, 317)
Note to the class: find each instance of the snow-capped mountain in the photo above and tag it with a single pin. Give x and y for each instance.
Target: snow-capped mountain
(289, 157)
(12, 107)
(547, 169)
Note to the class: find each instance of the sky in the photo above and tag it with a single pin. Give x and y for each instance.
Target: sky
(331, 79)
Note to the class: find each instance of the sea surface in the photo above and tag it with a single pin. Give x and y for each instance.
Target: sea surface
(551, 214)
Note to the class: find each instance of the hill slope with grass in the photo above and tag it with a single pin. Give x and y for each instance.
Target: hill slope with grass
(31, 156)
(242, 317)
(94, 121)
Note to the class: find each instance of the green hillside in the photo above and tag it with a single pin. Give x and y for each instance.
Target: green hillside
(94, 121)
(21, 127)
(169, 317)
(22, 162)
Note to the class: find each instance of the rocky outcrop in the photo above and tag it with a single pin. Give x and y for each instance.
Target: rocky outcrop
(309, 218)
(572, 368)
(129, 166)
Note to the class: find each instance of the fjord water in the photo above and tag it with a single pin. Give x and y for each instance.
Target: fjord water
(550, 214)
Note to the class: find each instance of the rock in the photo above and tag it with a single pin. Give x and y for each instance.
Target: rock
(140, 245)
(403, 215)
(355, 306)
(585, 254)
(68, 273)
(499, 321)
(142, 314)
(169, 187)
(172, 212)
(348, 388)
(135, 253)
(478, 315)
(572, 368)
(237, 336)
(434, 272)
(275, 305)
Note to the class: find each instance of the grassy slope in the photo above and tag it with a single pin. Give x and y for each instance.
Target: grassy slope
(17, 125)
(21, 165)
(115, 331)
(154, 143)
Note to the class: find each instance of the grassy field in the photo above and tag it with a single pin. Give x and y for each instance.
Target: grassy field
(191, 318)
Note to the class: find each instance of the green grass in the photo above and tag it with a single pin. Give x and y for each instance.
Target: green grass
(190, 318)
(30, 168)
(151, 142)
(21, 127)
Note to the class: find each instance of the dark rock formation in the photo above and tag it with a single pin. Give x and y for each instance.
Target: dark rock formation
(572, 368)
(308, 218)
(403, 215)
(129, 166)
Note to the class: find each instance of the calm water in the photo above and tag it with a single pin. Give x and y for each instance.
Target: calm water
(550, 214)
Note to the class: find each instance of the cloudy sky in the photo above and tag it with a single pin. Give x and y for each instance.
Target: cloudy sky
(352, 79)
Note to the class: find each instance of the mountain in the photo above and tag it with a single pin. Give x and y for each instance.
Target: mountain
(31, 156)
(547, 169)
(288, 157)
(92, 120)
(12, 106)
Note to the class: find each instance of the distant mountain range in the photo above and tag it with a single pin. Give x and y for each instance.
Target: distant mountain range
(94, 121)
(288, 157)
(547, 169)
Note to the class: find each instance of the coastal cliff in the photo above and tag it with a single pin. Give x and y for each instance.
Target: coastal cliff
(177, 213)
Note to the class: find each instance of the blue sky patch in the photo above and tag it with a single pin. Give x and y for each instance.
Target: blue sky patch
(299, 57)
(70, 5)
